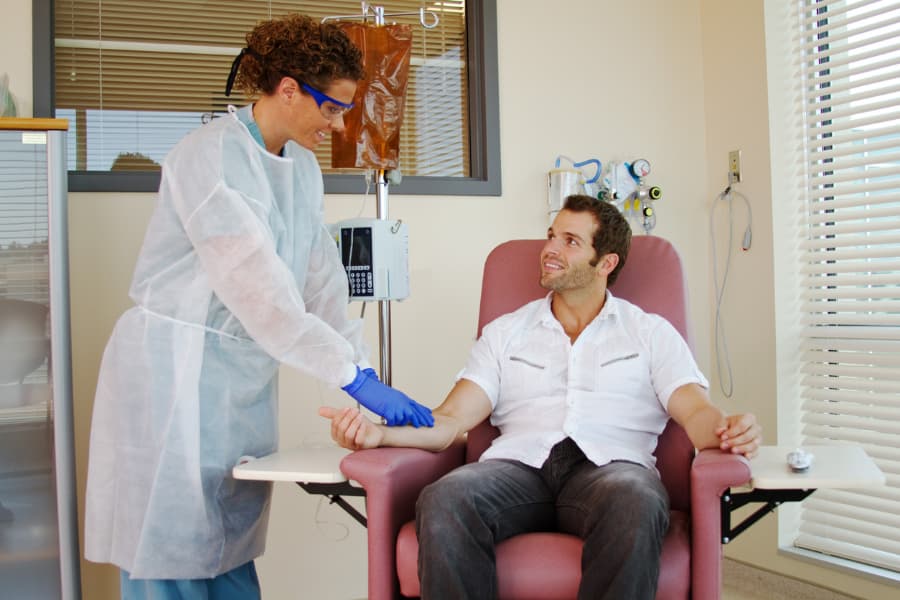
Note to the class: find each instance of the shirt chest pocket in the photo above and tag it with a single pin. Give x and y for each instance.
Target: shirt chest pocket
(624, 371)
(524, 375)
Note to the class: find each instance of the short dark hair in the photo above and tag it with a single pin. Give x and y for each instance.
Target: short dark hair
(613, 234)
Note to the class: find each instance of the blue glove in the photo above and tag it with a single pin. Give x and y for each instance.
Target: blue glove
(396, 407)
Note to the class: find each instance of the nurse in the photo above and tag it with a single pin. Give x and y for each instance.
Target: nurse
(236, 275)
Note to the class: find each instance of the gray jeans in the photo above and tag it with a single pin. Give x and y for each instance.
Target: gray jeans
(620, 510)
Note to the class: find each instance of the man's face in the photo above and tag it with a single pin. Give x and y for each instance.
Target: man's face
(566, 257)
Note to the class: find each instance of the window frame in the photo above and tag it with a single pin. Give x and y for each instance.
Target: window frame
(484, 114)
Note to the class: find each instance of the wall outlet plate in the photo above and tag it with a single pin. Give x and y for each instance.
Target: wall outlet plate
(734, 166)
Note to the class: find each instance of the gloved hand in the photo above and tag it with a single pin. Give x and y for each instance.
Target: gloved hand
(396, 407)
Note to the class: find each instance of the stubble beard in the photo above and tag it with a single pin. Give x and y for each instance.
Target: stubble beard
(576, 278)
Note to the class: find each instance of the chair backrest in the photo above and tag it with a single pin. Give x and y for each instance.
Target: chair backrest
(652, 278)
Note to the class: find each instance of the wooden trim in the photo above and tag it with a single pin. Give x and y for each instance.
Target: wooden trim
(12, 123)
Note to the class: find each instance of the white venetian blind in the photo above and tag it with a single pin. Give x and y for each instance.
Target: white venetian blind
(134, 76)
(24, 263)
(850, 297)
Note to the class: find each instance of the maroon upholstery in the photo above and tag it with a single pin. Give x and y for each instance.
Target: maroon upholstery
(551, 563)
(547, 565)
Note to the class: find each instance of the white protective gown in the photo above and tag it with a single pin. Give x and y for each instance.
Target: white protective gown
(236, 275)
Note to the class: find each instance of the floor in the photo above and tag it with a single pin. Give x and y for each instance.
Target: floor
(742, 582)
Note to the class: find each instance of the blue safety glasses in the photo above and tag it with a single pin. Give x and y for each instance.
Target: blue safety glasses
(331, 108)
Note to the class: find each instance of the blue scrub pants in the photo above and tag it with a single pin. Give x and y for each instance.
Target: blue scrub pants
(240, 583)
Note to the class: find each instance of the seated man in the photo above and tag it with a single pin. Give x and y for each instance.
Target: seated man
(580, 385)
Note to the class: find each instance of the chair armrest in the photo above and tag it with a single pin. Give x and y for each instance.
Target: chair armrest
(712, 472)
(393, 478)
(400, 470)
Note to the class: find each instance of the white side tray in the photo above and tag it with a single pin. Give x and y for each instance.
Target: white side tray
(836, 466)
(311, 462)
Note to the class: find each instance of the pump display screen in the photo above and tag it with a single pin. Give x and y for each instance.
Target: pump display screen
(356, 254)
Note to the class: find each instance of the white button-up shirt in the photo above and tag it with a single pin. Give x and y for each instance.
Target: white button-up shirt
(608, 391)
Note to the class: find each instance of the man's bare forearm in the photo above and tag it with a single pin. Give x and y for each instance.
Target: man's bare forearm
(437, 438)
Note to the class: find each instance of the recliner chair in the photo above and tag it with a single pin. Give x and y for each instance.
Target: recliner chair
(547, 565)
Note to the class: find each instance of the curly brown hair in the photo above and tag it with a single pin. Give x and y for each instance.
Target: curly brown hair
(613, 235)
(300, 47)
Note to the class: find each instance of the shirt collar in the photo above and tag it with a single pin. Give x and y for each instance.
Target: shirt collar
(609, 311)
(245, 116)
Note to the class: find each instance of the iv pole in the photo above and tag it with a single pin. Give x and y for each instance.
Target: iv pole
(384, 306)
(381, 187)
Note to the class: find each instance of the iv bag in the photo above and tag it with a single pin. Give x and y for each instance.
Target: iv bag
(371, 138)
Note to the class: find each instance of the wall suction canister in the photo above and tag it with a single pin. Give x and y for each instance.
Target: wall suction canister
(563, 182)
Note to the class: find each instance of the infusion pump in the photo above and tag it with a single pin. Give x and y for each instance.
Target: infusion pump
(375, 254)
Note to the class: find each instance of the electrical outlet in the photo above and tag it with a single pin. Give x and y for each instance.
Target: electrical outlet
(734, 166)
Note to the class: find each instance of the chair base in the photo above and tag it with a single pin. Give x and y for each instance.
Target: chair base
(547, 566)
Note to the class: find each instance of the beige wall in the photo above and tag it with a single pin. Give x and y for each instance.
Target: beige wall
(15, 52)
(679, 83)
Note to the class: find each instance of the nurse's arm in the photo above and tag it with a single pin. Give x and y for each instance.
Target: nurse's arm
(465, 407)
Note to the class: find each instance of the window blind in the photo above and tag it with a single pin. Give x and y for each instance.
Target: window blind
(850, 290)
(134, 76)
(24, 260)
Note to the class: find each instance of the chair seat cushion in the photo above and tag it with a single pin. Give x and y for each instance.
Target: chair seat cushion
(547, 566)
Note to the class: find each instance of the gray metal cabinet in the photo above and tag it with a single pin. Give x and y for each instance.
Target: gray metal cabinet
(38, 506)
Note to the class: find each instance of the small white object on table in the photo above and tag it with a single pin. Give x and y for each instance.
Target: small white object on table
(834, 466)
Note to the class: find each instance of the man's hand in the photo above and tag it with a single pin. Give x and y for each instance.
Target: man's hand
(350, 429)
(708, 427)
(466, 406)
(740, 434)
